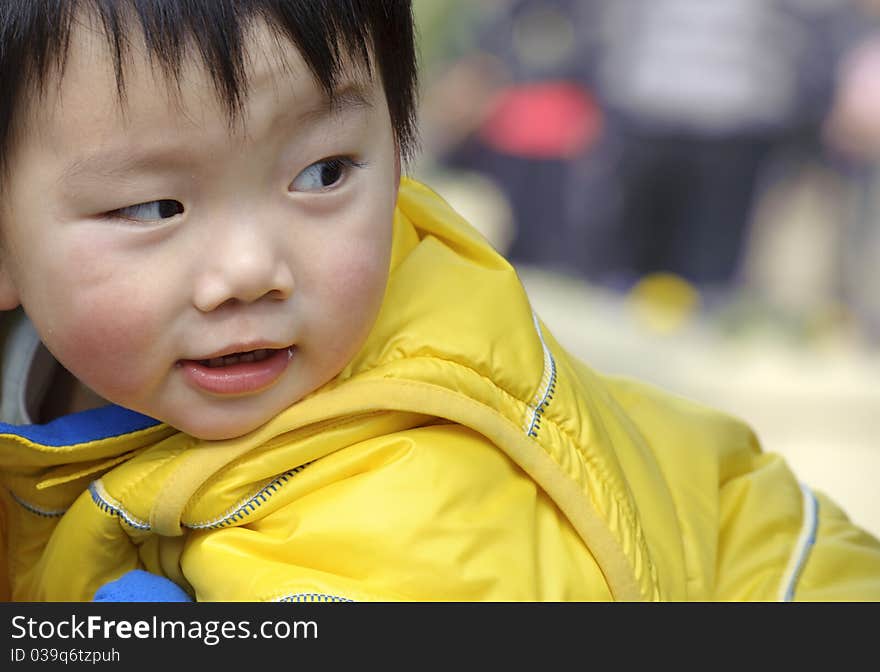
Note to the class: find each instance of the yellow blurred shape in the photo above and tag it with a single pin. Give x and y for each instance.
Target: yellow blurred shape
(663, 302)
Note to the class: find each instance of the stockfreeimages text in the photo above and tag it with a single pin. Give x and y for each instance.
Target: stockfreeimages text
(210, 632)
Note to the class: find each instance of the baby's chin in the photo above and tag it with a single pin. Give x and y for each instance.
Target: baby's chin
(219, 433)
(221, 430)
(220, 426)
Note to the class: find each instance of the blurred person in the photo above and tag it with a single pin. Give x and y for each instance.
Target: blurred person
(699, 98)
(852, 132)
(635, 137)
(517, 108)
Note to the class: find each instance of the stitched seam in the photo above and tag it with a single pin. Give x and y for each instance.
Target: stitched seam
(312, 597)
(804, 544)
(303, 434)
(483, 377)
(632, 520)
(248, 505)
(238, 512)
(550, 373)
(33, 508)
(546, 390)
(112, 507)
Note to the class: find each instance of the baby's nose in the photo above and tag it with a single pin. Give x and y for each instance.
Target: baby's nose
(242, 271)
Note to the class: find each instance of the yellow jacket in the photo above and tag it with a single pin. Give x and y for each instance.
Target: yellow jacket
(462, 455)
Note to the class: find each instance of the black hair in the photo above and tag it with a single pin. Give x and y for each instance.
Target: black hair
(371, 34)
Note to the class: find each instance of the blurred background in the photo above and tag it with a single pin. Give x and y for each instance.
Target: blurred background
(690, 192)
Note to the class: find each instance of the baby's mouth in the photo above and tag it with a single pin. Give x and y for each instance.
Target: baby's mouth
(238, 373)
(237, 358)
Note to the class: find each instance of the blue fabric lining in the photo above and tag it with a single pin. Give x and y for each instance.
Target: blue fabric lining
(91, 425)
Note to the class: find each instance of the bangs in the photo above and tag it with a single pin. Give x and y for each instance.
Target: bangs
(332, 36)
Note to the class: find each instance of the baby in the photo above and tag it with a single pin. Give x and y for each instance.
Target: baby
(245, 357)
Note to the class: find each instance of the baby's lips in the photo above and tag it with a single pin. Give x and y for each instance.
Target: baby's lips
(236, 377)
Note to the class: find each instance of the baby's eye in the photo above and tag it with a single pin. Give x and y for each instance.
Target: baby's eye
(150, 212)
(324, 174)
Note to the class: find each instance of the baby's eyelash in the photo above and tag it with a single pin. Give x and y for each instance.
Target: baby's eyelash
(344, 162)
(165, 209)
(332, 168)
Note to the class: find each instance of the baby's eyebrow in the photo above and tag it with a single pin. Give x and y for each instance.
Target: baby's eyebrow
(349, 97)
(111, 163)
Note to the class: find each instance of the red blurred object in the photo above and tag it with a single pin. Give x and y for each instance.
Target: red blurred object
(549, 120)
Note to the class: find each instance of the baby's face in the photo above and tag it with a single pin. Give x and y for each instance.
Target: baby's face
(205, 276)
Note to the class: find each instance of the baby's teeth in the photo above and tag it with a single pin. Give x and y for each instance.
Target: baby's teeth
(229, 360)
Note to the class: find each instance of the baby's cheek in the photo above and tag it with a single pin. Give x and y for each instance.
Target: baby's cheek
(107, 343)
(358, 281)
(355, 292)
